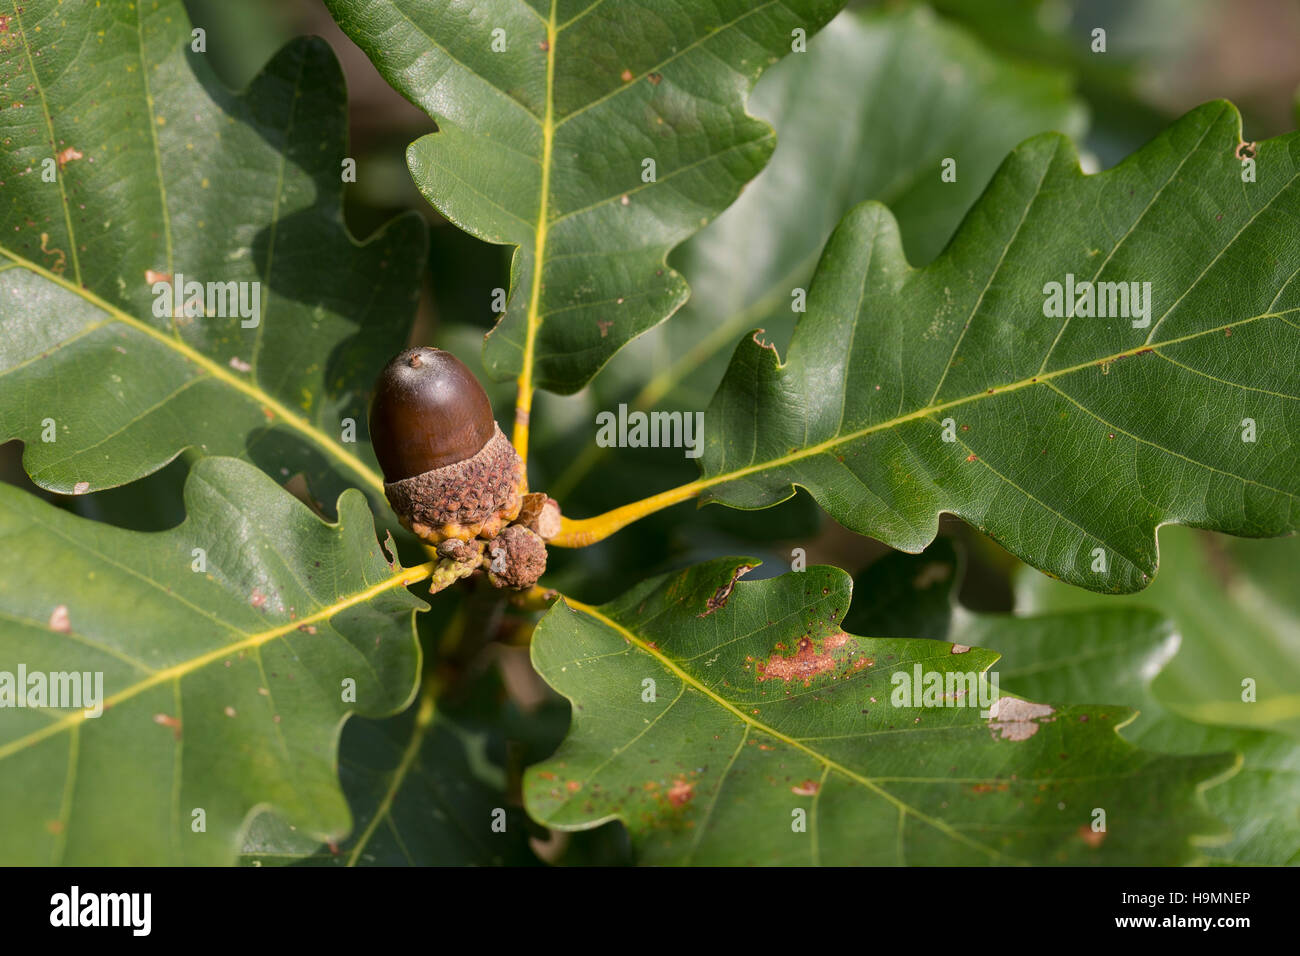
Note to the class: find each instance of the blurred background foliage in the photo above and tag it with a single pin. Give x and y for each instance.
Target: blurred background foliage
(1162, 58)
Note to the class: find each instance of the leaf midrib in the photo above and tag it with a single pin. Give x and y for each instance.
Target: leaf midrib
(423, 721)
(523, 405)
(927, 410)
(404, 578)
(581, 532)
(189, 353)
(749, 721)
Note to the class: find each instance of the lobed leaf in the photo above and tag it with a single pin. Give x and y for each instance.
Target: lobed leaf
(424, 794)
(1113, 655)
(223, 670)
(761, 708)
(1092, 647)
(1238, 613)
(161, 172)
(1072, 441)
(547, 112)
(873, 111)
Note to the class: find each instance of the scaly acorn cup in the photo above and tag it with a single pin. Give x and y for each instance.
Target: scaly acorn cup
(449, 470)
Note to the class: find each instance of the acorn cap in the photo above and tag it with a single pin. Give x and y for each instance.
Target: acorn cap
(428, 411)
(467, 499)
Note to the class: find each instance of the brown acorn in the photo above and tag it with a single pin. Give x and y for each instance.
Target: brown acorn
(449, 470)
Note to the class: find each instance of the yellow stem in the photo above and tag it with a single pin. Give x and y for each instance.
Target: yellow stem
(524, 397)
(584, 531)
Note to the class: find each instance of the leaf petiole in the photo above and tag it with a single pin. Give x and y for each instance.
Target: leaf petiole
(586, 531)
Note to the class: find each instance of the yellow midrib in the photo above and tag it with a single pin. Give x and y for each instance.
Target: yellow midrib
(584, 531)
(758, 725)
(406, 577)
(830, 443)
(182, 348)
(524, 397)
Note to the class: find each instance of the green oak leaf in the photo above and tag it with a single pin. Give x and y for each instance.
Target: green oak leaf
(163, 172)
(1071, 440)
(548, 112)
(1238, 611)
(870, 112)
(223, 687)
(1113, 649)
(762, 708)
(1112, 655)
(423, 792)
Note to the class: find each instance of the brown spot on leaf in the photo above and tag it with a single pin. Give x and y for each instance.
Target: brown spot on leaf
(626, 76)
(257, 598)
(680, 793)
(604, 326)
(807, 662)
(720, 596)
(655, 78)
(1246, 150)
(960, 649)
(1016, 719)
(808, 788)
(68, 155)
(81, 487)
(151, 277)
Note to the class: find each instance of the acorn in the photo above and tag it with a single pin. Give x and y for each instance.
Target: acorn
(449, 470)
